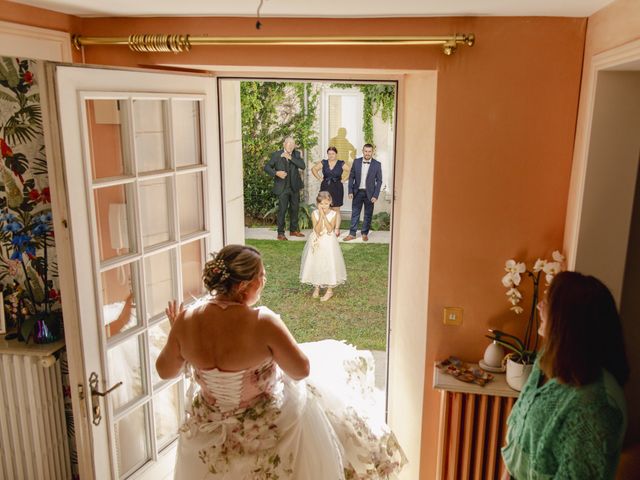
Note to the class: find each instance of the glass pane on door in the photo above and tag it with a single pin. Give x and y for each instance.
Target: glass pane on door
(125, 365)
(151, 140)
(108, 137)
(166, 412)
(160, 281)
(192, 264)
(186, 127)
(131, 438)
(157, 340)
(118, 299)
(155, 211)
(114, 216)
(190, 203)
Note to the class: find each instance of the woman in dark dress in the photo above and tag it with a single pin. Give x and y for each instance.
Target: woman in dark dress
(334, 172)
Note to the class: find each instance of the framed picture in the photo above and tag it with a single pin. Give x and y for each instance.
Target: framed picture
(3, 325)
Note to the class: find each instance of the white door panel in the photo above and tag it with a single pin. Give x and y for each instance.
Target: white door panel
(143, 185)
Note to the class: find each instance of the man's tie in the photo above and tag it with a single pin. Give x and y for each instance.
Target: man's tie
(366, 162)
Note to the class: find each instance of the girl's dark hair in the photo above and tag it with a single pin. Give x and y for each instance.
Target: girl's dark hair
(230, 266)
(583, 332)
(332, 149)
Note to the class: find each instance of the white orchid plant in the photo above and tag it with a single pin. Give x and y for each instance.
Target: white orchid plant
(524, 350)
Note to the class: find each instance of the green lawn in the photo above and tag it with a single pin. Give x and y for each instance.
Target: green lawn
(357, 312)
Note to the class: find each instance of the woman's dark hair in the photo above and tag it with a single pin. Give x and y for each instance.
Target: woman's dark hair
(230, 266)
(332, 149)
(583, 332)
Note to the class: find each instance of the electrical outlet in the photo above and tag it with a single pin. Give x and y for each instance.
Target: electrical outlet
(453, 315)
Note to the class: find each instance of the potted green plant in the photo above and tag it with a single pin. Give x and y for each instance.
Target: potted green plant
(524, 349)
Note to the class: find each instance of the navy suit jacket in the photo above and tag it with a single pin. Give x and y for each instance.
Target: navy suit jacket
(373, 181)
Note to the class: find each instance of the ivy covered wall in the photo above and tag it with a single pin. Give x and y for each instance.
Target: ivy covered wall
(270, 112)
(273, 110)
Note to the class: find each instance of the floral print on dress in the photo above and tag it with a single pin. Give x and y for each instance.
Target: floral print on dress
(378, 456)
(259, 424)
(243, 431)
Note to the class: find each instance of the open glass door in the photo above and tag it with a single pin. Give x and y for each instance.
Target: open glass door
(143, 189)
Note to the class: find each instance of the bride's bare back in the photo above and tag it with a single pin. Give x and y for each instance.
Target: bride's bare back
(231, 337)
(225, 336)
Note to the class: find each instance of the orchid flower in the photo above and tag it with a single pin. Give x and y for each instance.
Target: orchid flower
(513, 269)
(511, 280)
(539, 265)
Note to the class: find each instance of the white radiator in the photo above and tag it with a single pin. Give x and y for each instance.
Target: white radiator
(472, 430)
(33, 431)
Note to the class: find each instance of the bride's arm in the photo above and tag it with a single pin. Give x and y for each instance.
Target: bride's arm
(170, 360)
(284, 348)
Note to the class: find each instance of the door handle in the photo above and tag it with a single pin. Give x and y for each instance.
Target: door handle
(95, 397)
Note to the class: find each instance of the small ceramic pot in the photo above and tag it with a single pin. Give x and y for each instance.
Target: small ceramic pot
(493, 355)
(517, 374)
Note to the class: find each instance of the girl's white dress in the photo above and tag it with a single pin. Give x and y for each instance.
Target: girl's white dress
(322, 262)
(259, 424)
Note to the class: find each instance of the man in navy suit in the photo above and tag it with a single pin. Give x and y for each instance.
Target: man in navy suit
(365, 180)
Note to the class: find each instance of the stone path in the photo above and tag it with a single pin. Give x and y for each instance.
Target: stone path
(265, 233)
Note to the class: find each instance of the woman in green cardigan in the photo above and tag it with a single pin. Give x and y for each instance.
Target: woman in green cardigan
(570, 419)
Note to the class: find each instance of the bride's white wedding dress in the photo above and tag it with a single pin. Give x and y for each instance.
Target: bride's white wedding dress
(259, 424)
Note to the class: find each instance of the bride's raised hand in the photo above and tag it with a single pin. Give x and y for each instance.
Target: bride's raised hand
(173, 310)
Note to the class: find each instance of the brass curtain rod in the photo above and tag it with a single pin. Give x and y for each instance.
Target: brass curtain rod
(183, 43)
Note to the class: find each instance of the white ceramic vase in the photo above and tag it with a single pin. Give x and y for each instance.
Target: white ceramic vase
(517, 374)
(493, 355)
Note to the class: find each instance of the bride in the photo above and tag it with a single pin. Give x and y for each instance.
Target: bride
(261, 406)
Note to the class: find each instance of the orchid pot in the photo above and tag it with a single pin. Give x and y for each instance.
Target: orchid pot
(517, 373)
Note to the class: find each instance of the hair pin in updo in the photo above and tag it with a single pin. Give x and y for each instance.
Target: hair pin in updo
(218, 268)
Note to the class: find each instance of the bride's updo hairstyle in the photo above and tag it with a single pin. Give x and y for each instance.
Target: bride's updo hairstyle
(230, 266)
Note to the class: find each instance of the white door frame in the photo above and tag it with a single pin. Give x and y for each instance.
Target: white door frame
(410, 254)
(35, 43)
(618, 58)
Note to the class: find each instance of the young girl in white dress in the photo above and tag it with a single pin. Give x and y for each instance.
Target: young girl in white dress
(322, 262)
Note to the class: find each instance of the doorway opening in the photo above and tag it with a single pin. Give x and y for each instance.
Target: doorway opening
(606, 238)
(255, 117)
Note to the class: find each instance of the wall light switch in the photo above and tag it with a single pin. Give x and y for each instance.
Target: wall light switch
(453, 315)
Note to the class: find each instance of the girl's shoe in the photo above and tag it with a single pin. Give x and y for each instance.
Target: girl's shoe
(316, 292)
(328, 294)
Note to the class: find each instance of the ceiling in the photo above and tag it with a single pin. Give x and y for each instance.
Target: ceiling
(322, 8)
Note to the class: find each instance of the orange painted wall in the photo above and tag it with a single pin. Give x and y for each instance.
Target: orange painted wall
(505, 128)
(37, 17)
(506, 117)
